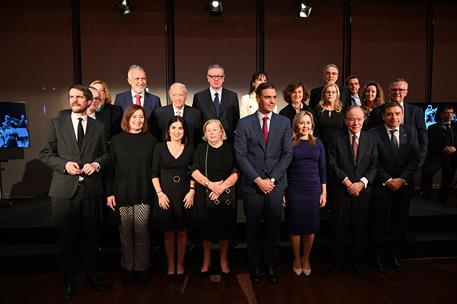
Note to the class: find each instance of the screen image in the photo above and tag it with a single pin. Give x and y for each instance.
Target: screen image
(14, 129)
(431, 113)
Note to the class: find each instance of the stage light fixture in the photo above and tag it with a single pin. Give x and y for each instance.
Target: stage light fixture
(215, 8)
(305, 9)
(124, 7)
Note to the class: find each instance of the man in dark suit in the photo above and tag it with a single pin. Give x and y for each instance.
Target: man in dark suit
(75, 148)
(398, 160)
(263, 148)
(353, 85)
(218, 102)
(330, 75)
(136, 77)
(413, 115)
(442, 142)
(352, 159)
(178, 107)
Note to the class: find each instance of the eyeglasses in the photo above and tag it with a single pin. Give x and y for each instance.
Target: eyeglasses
(398, 90)
(97, 98)
(216, 77)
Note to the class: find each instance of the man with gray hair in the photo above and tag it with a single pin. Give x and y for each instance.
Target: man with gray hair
(329, 75)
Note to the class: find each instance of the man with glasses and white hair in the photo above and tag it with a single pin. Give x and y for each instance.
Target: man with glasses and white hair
(329, 75)
(217, 102)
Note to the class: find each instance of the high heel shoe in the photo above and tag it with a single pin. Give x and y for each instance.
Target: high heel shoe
(297, 271)
(307, 272)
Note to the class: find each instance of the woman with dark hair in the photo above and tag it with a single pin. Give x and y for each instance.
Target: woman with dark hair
(248, 103)
(306, 191)
(129, 190)
(175, 192)
(295, 95)
(372, 97)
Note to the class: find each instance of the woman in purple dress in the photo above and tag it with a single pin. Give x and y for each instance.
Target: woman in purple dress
(306, 191)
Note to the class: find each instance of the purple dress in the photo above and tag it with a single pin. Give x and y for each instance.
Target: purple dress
(305, 177)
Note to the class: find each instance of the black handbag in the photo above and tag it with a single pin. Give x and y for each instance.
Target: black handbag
(226, 199)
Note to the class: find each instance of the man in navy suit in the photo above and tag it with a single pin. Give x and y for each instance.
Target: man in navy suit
(178, 107)
(263, 148)
(217, 102)
(398, 160)
(352, 159)
(329, 75)
(136, 77)
(413, 116)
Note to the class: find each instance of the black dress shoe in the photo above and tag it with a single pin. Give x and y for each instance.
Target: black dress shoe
(127, 276)
(255, 275)
(69, 288)
(379, 265)
(397, 265)
(360, 270)
(145, 276)
(272, 274)
(94, 280)
(335, 269)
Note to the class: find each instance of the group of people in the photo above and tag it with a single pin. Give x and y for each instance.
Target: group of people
(176, 167)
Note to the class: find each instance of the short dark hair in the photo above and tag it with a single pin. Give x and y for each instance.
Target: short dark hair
(291, 88)
(264, 86)
(128, 113)
(390, 104)
(351, 77)
(445, 106)
(173, 120)
(87, 93)
(254, 78)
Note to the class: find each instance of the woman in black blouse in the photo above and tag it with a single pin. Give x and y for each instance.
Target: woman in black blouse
(295, 95)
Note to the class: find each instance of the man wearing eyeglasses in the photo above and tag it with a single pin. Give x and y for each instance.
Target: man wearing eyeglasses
(329, 75)
(217, 102)
(413, 115)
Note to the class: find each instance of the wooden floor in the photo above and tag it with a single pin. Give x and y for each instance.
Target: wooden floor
(424, 281)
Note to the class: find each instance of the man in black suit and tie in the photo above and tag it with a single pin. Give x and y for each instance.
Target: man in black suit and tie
(263, 149)
(218, 102)
(75, 148)
(330, 75)
(136, 77)
(352, 159)
(178, 107)
(353, 85)
(398, 160)
(413, 116)
(442, 142)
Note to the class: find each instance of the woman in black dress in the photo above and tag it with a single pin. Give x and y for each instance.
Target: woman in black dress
(216, 225)
(129, 188)
(295, 95)
(175, 191)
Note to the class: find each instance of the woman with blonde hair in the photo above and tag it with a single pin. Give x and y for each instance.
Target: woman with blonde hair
(110, 115)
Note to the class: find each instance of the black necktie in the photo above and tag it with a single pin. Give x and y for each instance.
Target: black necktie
(216, 103)
(80, 134)
(393, 140)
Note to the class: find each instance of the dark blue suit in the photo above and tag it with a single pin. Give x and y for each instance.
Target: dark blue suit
(151, 102)
(265, 160)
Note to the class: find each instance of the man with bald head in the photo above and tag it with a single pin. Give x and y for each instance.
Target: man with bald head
(329, 75)
(178, 107)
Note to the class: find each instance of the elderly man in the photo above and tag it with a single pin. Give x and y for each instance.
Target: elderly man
(178, 107)
(353, 85)
(75, 148)
(218, 102)
(136, 77)
(398, 160)
(329, 75)
(352, 159)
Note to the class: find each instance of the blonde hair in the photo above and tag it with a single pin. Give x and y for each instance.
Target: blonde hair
(338, 106)
(108, 98)
(295, 133)
(218, 122)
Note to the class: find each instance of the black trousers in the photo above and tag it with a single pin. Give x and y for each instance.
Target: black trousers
(389, 219)
(448, 165)
(268, 207)
(350, 220)
(76, 221)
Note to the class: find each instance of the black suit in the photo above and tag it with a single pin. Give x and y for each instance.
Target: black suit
(390, 209)
(111, 116)
(351, 213)
(229, 110)
(316, 94)
(413, 117)
(192, 117)
(73, 204)
(439, 137)
(290, 112)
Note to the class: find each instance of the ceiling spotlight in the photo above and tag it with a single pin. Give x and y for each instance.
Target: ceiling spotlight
(124, 7)
(305, 9)
(215, 8)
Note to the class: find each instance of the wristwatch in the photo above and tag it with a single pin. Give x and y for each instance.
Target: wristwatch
(272, 180)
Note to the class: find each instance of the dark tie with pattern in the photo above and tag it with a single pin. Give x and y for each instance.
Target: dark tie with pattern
(394, 141)
(355, 146)
(216, 103)
(265, 128)
(80, 134)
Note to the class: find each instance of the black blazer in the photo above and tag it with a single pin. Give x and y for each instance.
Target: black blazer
(406, 163)
(111, 116)
(229, 109)
(61, 146)
(438, 138)
(315, 96)
(192, 117)
(341, 163)
(413, 117)
(289, 112)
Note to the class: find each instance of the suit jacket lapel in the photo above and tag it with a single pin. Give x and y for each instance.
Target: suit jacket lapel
(403, 140)
(385, 138)
(258, 130)
(210, 103)
(68, 125)
(89, 132)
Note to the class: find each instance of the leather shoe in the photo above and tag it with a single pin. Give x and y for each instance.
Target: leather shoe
(127, 276)
(69, 290)
(397, 265)
(94, 280)
(255, 275)
(145, 276)
(379, 265)
(360, 270)
(272, 274)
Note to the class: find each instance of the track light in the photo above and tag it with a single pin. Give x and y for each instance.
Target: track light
(124, 7)
(215, 8)
(305, 9)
